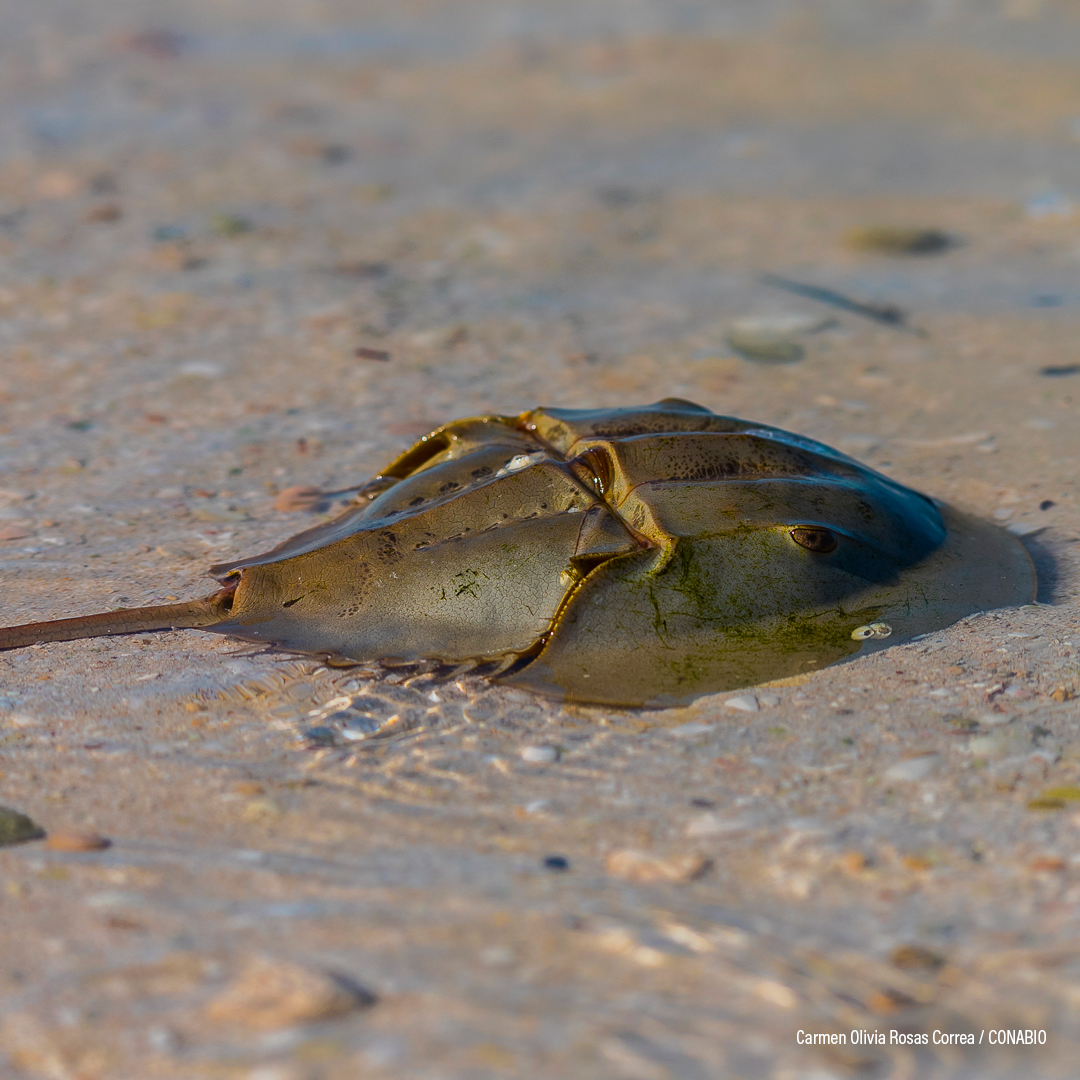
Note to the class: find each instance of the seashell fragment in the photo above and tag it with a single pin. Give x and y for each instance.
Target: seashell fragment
(772, 339)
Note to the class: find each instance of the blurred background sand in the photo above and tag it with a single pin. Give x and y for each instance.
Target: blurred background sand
(247, 246)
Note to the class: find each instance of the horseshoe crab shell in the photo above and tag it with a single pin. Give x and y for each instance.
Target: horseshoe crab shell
(625, 556)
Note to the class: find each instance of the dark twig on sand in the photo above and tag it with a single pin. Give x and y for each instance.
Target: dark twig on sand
(886, 314)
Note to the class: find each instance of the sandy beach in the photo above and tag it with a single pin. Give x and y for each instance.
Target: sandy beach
(249, 246)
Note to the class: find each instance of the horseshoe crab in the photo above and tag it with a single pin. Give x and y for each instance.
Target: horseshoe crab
(626, 556)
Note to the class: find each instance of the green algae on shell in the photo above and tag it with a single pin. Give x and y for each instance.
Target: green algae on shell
(625, 556)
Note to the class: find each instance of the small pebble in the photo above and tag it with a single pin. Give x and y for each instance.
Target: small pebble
(998, 744)
(1049, 204)
(297, 498)
(284, 713)
(76, 840)
(496, 956)
(16, 828)
(558, 863)
(899, 240)
(202, 369)
(771, 340)
(364, 353)
(1066, 793)
(56, 184)
(776, 993)
(1048, 863)
(642, 868)
(261, 810)
(916, 957)
(853, 862)
(744, 703)
(156, 44)
(479, 711)
(694, 728)
(916, 768)
(112, 899)
(319, 736)
(103, 212)
(328, 153)
(270, 994)
(164, 233)
(164, 1040)
(540, 754)
(336, 706)
(229, 224)
(1025, 528)
(1046, 802)
(712, 825)
(362, 269)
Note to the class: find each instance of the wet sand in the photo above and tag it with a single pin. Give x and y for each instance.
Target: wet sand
(205, 212)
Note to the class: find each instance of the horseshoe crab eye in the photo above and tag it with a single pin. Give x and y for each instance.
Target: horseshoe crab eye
(821, 541)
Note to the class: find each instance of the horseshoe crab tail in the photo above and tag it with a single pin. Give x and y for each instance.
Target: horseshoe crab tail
(192, 614)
